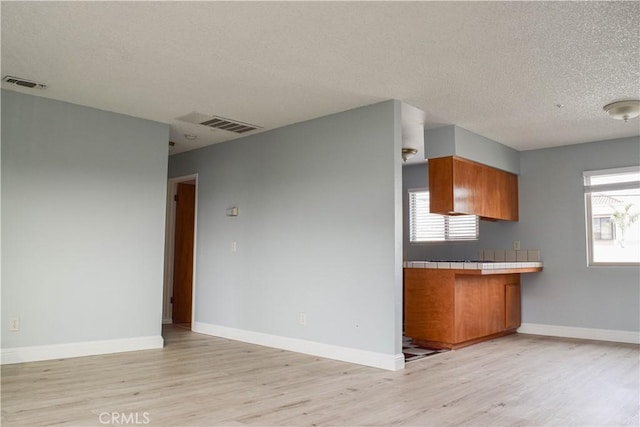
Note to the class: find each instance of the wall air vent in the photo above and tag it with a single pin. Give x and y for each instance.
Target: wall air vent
(229, 125)
(23, 82)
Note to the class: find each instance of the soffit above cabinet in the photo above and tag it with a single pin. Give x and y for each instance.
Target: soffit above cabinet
(455, 141)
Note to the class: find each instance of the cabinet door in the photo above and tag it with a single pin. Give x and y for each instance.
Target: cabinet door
(441, 185)
(428, 304)
(504, 189)
(479, 306)
(512, 305)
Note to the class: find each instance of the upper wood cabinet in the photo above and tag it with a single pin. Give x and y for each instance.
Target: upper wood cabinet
(461, 186)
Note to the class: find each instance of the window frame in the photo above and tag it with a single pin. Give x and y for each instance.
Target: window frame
(446, 219)
(588, 190)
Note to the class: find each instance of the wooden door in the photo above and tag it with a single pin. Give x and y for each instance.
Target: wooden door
(183, 253)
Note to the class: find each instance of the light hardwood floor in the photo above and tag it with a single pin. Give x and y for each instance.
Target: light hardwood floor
(206, 381)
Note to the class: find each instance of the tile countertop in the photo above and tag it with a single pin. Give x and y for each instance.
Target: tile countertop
(485, 267)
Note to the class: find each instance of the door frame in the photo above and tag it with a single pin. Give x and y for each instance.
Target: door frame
(169, 248)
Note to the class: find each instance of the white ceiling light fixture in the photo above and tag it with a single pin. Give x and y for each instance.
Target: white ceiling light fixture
(623, 110)
(408, 153)
(189, 136)
(412, 131)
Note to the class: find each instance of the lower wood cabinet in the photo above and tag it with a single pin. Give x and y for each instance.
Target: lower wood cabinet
(445, 309)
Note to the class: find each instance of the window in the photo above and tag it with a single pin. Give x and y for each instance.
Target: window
(613, 216)
(428, 227)
(603, 228)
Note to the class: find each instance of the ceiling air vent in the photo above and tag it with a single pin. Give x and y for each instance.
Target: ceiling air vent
(23, 82)
(229, 125)
(217, 122)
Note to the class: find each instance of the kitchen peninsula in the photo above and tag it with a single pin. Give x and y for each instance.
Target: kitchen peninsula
(454, 304)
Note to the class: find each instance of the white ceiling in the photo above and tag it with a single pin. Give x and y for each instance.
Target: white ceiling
(495, 68)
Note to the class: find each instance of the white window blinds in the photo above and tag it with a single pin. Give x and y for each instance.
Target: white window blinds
(428, 227)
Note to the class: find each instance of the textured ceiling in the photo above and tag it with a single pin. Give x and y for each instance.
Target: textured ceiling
(495, 68)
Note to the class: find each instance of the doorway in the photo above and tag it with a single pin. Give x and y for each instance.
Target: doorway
(178, 295)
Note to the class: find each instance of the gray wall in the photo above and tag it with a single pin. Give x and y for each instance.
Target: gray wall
(318, 231)
(455, 141)
(552, 219)
(83, 210)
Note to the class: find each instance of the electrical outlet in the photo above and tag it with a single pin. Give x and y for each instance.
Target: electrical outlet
(302, 319)
(516, 245)
(234, 247)
(14, 324)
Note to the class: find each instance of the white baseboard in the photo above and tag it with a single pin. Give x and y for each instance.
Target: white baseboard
(583, 333)
(344, 354)
(78, 349)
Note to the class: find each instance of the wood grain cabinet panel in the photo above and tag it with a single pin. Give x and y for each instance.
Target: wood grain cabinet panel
(428, 304)
(461, 186)
(479, 309)
(513, 305)
(446, 309)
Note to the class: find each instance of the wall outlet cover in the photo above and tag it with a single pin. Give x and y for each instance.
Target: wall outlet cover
(14, 324)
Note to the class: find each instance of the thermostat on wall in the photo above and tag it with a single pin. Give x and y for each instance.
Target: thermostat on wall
(232, 211)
